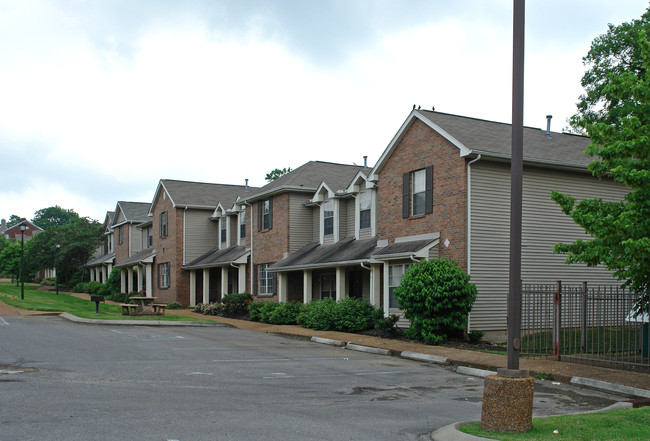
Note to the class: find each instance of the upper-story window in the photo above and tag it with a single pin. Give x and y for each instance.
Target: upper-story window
(242, 223)
(328, 217)
(364, 209)
(265, 215)
(149, 233)
(222, 222)
(417, 194)
(110, 243)
(163, 224)
(120, 235)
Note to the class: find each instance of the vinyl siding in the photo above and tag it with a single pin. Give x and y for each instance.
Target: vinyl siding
(234, 229)
(343, 218)
(201, 234)
(315, 222)
(135, 239)
(349, 220)
(544, 225)
(300, 222)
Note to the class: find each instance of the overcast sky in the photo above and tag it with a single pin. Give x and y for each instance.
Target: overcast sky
(101, 99)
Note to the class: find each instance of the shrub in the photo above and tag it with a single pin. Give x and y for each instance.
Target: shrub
(104, 292)
(236, 303)
(114, 281)
(48, 282)
(318, 315)
(174, 305)
(38, 280)
(353, 315)
(386, 324)
(475, 336)
(437, 296)
(199, 308)
(93, 287)
(260, 311)
(285, 313)
(80, 287)
(213, 309)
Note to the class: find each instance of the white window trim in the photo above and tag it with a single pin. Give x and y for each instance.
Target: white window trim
(335, 233)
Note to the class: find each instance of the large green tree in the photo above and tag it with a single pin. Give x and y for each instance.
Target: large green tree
(615, 113)
(276, 173)
(10, 260)
(14, 220)
(53, 216)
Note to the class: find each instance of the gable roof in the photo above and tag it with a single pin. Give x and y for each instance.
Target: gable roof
(200, 195)
(475, 137)
(308, 177)
(133, 212)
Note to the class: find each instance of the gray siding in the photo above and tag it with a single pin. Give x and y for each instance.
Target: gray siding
(135, 239)
(343, 218)
(315, 222)
(201, 234)
(349, 220)
(544, 225)
(300, 222)
(234, 229)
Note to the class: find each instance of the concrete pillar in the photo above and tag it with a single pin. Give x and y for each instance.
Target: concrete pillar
(241, 283)
(140, 279)
(224, 280)
(306, 286)
(122, 280)
(340, 283)
(375, 285)
(192, 288)
(206, 285)
(282, 287)
(149, 278)
(130, 278)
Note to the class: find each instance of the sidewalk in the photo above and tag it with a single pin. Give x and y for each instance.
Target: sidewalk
(560, 371)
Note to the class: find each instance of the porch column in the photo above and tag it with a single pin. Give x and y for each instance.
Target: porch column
(140, 279)
(282, 287)
(130, 278)
(340, 283)
(92, 274)
(206, 285)
(149, 278)
(306, 286)
(224, 281)
(105, 274)
(110, 268)
(122, 281)
(375, 285)
(192, 288)
(241, 282)
(386, 296)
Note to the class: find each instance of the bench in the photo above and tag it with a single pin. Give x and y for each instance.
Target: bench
(128, 309)
(159, 308)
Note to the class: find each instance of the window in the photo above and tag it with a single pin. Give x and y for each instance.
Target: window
(110, 243)
(120, 235)
(395, 273)
(149, 237)
(328, 217)
(222, 221)
(265, 215)
(163, 224)
(242, 223)
(163, 270)
(327, 285)
(417, 192)
(364, 209)
(265, 280)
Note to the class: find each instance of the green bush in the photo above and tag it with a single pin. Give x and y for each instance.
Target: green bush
(48, 282)
(93, 287)
(475, 336)
(437, 296)
(80, 287)
(318, 314)
(114, 281)
(199, 308)
(353, 315)
(37, 280)
(285, 313)
(236, 303)
(260, 311)
(386, 324)
(174, 305)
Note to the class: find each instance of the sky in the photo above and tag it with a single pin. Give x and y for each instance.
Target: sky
(99, 100)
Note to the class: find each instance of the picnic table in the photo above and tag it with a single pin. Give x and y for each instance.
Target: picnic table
(144, 306)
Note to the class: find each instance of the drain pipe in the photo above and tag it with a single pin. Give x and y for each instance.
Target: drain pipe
(469, 225)
(252, 265)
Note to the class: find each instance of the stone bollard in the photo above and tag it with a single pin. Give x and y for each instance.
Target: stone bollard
(507, 401)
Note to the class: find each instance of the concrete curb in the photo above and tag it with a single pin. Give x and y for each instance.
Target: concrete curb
(417, 356)
(474, 372)
(328, 341)
(75, 319)
(368, 349)
(611, 387)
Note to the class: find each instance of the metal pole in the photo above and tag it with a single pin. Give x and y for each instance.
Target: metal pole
(56, 269)
(22, 264)
(516, 177)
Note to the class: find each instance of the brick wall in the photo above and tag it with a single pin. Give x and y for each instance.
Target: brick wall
(121, 250)
(419, 148)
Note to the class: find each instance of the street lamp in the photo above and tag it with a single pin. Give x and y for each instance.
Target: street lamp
(23, 227)
(56, 268)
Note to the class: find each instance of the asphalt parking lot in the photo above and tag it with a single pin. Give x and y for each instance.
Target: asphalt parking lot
(61, 380)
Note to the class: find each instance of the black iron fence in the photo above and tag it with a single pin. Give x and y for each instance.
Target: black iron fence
(585, 324)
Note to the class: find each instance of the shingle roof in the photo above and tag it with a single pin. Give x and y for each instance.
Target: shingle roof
(314, 254)
(216, 257)
(494, 138)
(134, 211)
(202, 194)
(137, 258)
(101, 260)
(309, 176)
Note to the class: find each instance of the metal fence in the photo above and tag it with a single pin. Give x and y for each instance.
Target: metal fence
(585, 324)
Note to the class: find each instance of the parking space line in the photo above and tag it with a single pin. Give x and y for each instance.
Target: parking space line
(3, 322)
(357, 374)
(239, 360)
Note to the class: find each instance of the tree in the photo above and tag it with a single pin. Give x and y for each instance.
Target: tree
(275, 174)
(10, 260)
(436, 296)
(53, 216)
(14, 220)
(615, 113)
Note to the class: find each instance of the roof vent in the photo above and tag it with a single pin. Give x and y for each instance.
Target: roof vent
(365, 162)
(246, 186)
(548, 125)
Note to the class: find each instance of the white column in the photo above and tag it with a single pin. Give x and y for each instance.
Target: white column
(110, 268)
(375, 285)
(340, 283)
(386, 297)
(241, 283)
(92, 274)
(206, 285)
(104, 274)
(306, 286)
(140, 279)
(224, 280)
(122, 280)
(193, 288)
(149, 276)
(130, 279)
(282, 287)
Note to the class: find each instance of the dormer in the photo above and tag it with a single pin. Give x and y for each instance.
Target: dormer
(220, 216)
(329, 219)
(365, 206)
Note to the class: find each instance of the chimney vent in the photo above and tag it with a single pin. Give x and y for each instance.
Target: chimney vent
(246, 186)
(548, 125)
(365, 162)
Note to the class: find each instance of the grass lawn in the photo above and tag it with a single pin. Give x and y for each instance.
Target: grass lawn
(614, 425)
(48, 301)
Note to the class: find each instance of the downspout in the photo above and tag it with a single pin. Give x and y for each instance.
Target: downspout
(469, 224)
(364, 267)
(414, 259)
(252, 265)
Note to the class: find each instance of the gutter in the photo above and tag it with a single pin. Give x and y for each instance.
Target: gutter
(469, 224)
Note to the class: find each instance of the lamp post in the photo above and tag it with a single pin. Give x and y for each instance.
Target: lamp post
(56, 268)
(23, 227)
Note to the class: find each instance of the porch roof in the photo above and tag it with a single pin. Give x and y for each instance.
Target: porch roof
(144, 256)
(345, 252)
(215, 257)
(106, 258)
(406, 249)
